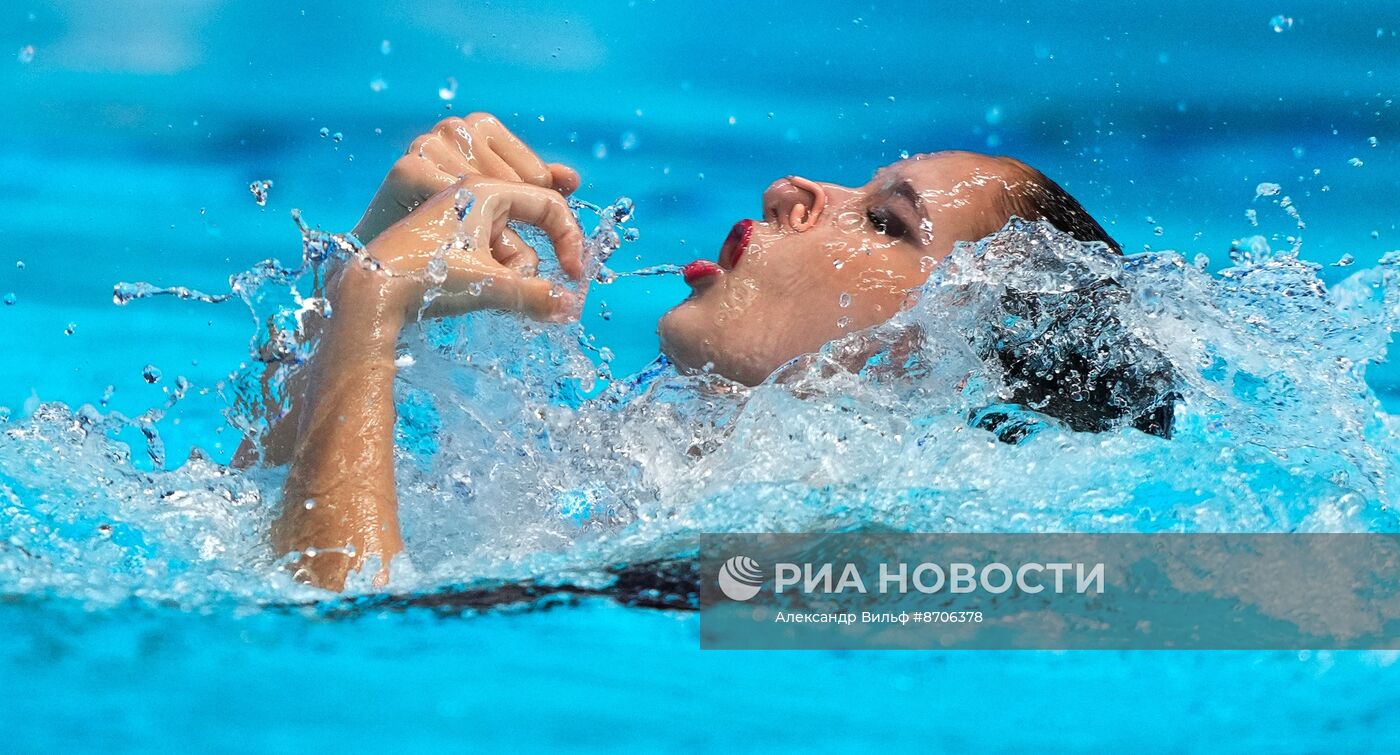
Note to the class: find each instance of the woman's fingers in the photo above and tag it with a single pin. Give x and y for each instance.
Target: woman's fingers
(443, 155)
(482, 142)
(509, 148)
(497, 203)
(564, 179)
(535, 298)
(489, 265)
(475, 286)
(512, 251)
(411, 182)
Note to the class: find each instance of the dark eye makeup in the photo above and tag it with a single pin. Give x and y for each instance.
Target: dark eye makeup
(887, 223)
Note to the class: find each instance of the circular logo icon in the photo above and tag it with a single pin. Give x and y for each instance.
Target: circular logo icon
(740, 578)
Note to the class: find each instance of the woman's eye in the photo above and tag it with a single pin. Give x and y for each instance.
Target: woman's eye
(886, 223)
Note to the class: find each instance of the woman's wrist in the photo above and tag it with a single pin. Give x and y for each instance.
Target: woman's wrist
(368, 307)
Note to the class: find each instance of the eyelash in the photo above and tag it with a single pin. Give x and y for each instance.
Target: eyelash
(886, 223)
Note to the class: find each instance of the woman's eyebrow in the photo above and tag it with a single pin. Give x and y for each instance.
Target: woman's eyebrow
(905, 190)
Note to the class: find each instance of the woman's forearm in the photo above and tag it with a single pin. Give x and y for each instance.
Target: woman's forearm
(339, 510)
(339, 506)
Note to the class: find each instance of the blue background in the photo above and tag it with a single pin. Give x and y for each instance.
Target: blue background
(127, 146)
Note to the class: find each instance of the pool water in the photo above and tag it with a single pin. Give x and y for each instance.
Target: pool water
(139, 607)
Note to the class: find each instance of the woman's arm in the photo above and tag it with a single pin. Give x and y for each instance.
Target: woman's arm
(477, 145)
(339, 506)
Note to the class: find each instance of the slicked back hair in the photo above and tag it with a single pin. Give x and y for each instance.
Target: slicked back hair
(1038, 197)
(1066, 369)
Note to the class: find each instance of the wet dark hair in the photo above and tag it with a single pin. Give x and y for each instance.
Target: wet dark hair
(1062, 354)
(1038, 197)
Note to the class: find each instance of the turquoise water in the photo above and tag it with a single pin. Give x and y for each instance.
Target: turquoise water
(128, 145)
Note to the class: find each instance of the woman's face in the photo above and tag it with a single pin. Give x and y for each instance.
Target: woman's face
(827, 260)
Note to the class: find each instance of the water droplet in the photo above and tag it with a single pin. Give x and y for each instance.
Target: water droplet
(151, 374)
(1266, 190)
(845, 300)
(1280, 23)
(378, 85)
(325, 132)
(437, 270)
(337, 137)
(600, 150)
(1253, 217)
(631, 234)
(309, 504)
(385, 48)
(259, 190)
(448, 91)
(462, 202)
(629, 140)
(1373, 141)
(994, 115)
(1157, 231)
(11, 299)
(1347, 260)
(622, 209)
(1355, 162)
(19, 264)
(1298, 152)
(70, 329)
(904, 154)
(844, 322)
(26, 54)
(1375, 234)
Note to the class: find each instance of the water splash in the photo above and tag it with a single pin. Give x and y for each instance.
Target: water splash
(448, 91)
(259, 190)
(521, 456)
(650, 271)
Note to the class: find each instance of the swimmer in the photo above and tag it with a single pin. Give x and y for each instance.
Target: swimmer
(824, 260)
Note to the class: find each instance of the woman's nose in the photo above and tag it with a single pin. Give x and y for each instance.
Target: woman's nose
(794, 202)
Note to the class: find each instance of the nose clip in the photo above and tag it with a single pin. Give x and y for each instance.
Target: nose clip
(800, 218)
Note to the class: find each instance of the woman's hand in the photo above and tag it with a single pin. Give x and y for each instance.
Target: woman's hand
(477, 145)
(458, 250)
(339, 505)
(439, 226)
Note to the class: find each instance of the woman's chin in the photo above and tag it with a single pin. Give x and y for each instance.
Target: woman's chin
(695, 343)
(685, 338)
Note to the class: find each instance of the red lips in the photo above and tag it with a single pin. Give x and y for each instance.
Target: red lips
(735, 244)
(729, 254)
(698, 269)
